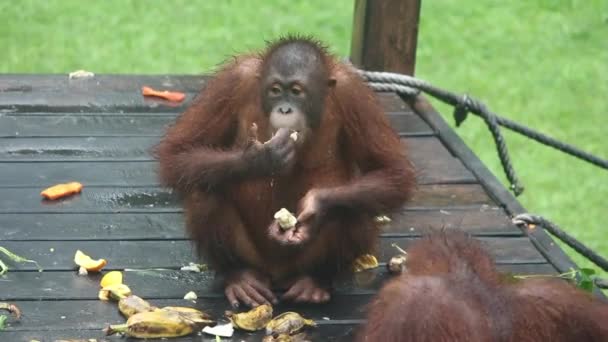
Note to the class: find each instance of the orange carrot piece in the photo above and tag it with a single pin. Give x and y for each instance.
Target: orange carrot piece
(174, 96)
(61, 190)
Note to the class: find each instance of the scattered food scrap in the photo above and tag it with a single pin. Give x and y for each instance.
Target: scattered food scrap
(288, 323)
(252, 320)
(80, 74)
(223, 330)
(301, 337)
(192, 267)
(286, 219)
(89, 263)
(154, 324)
(82, 271)
(13, 309)
(111, 278)
(133, 304)
(115, 292)
(382, 219)
(365, 262)
(396, 264)
(190, 296)
(61, 190)
(173, 96)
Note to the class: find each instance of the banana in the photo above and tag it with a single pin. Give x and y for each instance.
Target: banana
(252, 320)
(365, 262)
(133, 304)
(190, 314)
(285, 338)
(154, 324)
(287, 323)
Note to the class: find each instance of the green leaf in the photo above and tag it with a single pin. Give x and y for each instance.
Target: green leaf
(586, 285)
(587, 271)
(3, 319)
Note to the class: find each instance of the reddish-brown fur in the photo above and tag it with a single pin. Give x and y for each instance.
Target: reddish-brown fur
(452, 291)
(354, 153)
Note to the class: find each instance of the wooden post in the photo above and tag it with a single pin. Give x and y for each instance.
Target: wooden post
(385, 35)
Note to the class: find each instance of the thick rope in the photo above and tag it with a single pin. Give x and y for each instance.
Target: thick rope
(385, 81)
(528, 220)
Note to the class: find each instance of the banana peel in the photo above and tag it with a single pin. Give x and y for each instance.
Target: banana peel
(161, 323)
(252, 320)
(301, 337)
(133, 304)
(153, 324)
(190, 314)
(287, 323)
(365, 262)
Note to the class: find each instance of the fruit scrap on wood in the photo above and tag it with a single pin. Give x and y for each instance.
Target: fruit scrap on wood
(190, 296)
(288, 323)
(252, 320)
(13, 309)
(61, 190)
(162, 323)
(193, 267)
(223, 330)
(173, 96)
(91, 265)
(396, 264)
(365, 262)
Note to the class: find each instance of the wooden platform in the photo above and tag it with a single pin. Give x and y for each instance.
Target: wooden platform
(98, 131)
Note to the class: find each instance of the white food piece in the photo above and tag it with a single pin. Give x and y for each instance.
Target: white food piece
(190, 296)
(224, 330)
(294, 136)
(285, 218)
(192, 267)
(82, 271)
(81, 74)
(382, 219)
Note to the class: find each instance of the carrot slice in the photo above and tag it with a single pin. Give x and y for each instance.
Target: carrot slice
(174, 96)
(61, 190)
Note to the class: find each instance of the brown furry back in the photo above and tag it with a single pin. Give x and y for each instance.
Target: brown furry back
(453, 292)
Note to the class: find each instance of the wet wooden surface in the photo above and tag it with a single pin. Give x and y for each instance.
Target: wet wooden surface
(99, 131)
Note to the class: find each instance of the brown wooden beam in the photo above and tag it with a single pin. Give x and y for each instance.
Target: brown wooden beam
(385, 35)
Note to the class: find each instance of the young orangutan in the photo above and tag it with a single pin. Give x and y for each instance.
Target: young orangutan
(233, 159)
(451, 291)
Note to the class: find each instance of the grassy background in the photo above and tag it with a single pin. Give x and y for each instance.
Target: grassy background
(541, 63)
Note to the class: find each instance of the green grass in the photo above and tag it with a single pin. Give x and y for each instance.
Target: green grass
(541, 63)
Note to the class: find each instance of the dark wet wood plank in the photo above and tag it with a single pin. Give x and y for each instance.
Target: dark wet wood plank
(144, 172)
(136, 125)
(141, 226)
(62, 159)
(125, 148)
(67, 285)
(153, 199)
(172, 254)
(483, 222)
(139, 148)
(325, 331)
